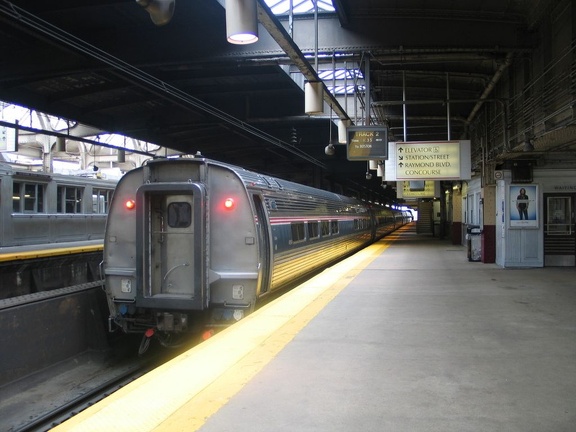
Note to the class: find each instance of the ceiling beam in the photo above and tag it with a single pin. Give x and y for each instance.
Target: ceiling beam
(282, 38)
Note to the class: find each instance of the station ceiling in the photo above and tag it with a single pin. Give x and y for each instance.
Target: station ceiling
(183, 86)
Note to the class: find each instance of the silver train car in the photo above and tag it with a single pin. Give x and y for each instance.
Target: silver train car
(52, 230)
(41, 208)
(194, 238)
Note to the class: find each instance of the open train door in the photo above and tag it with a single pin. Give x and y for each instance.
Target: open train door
(559, 230)
(171, 239)
(264, 244)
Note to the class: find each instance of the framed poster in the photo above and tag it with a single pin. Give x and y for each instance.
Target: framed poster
(523, 211)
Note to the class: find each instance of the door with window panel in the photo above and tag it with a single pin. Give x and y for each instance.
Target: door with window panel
(559, 232)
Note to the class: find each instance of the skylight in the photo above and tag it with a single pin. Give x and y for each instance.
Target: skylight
(343, 81)
(280, 7)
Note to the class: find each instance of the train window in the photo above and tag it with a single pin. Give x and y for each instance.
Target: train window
(297, 231)
(69, 200)
(179, 215)
(313, 231)
(356, 224)
(325, 228)
(100, 200)
(16, 198)
(334, 227)
(27, 198)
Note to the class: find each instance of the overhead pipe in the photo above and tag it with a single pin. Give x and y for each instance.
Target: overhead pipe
(404, 103)
(431, 102)
(367, 90)
(497, 75)
(448, 104)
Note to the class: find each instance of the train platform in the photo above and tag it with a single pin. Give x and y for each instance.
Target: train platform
(406, 335)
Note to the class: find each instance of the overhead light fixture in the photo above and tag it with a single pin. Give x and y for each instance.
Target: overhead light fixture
(161, 11)
(241, 21)
(342, 130)
(60, 144)
(313, 97)
(368, 175)
(330, 150)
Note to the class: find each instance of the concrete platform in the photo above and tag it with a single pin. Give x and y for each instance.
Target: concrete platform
(407, 335)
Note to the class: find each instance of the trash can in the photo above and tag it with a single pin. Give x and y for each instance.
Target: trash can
(474, 242)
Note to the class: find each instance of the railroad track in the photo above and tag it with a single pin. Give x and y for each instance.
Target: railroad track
(64, 412)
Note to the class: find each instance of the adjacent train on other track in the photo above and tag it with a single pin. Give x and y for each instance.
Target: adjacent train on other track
(193, 240)
(52, 229)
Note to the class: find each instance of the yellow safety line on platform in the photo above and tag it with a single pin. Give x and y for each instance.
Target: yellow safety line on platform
(43, 253)
(183, 393)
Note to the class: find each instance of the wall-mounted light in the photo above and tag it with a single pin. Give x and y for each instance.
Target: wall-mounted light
(241, 21)
(161, 11)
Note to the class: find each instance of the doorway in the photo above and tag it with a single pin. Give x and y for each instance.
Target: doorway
(559, 232)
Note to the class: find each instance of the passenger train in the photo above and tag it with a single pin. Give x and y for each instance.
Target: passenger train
(50, 208)
(194, 240)
(52, 229)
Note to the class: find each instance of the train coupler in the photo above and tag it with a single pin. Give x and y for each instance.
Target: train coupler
(172, 322)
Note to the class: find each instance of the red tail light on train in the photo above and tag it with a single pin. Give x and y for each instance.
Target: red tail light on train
(229, 203)
(130, 204)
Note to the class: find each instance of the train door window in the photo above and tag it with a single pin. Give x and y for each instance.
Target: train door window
(356, 224)
(27, 198)
(297, 229)
(101, 200)
(335, 229)
(325, 228)
(313, 231)
(179, 215)
(69, 199)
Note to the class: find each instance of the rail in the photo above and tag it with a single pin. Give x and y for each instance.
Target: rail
(44, 295)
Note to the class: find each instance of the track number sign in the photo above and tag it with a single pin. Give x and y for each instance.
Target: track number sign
(367, 142)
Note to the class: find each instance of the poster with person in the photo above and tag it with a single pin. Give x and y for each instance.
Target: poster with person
(523, 206)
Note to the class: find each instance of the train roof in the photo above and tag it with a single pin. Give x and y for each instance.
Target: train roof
(254, 179)
(42, 176)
